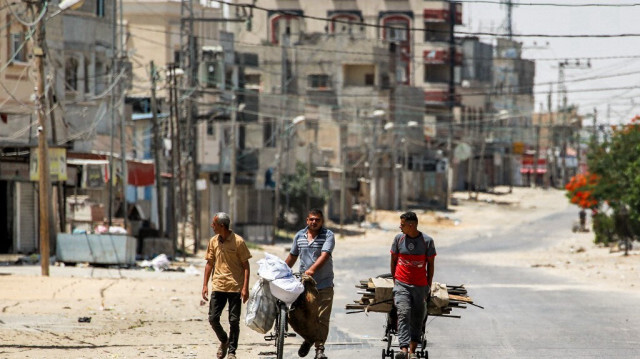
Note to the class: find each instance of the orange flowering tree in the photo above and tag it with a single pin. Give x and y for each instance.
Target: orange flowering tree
(580, 190)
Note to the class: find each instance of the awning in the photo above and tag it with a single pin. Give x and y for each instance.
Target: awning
(539, 170)
(139, 172)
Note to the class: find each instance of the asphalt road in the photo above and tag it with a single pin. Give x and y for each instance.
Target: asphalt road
(527, 314)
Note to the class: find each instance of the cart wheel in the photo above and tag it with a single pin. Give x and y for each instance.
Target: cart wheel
(384, 354)
(390, 353)
(425, 354)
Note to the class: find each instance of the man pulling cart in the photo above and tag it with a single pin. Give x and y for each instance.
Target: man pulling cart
(412, 267)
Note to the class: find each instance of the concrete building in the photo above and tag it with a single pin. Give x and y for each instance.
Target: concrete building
(77, 63)
(338, 62)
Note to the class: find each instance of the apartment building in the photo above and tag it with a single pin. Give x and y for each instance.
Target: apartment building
(77, 59)
(361, 57)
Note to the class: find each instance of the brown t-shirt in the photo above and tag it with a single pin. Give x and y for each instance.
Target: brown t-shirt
(227, 257)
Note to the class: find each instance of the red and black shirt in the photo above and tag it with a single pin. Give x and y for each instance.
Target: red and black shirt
(412, 258)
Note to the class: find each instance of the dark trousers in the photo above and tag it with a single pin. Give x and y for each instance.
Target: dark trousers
(218, 301)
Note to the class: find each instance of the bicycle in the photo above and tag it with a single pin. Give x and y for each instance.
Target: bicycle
(281, 326)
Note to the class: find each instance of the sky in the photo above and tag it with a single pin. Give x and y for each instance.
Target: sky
(613, 106)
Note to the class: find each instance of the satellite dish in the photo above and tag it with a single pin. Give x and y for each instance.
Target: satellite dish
(462, 152)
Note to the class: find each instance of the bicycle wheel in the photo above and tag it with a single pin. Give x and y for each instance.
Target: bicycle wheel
(282, 330)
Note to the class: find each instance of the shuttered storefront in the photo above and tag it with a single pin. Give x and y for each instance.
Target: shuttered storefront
(27, 228)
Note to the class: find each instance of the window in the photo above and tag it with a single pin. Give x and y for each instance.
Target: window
(71, 75)
(100, 8)
(269, 136)
(87, 78)
(359, 75)
(211, 129)
(346, 23)
(436, 32)
(369, 79)
(396, 31)
(319, 81)
(285, 29)
(18, 47)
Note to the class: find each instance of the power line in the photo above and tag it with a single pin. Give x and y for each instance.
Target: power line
(377, 26)
(494, 2)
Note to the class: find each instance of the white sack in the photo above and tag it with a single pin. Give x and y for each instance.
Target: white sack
(439, 294)
(286, 289)
(261, 308)
(272, 267)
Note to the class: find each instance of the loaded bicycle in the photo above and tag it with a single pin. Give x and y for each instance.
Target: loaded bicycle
(281, 327)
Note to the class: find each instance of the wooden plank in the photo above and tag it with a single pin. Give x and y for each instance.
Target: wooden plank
(460, 298)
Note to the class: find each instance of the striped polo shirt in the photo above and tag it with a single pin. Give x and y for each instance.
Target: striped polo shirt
(309, 252)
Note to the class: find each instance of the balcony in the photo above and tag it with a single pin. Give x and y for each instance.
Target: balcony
(438, 95)
(440, 56)
(441, 14)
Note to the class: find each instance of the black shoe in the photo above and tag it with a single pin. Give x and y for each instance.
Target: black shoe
(320, 354)
(304, 349)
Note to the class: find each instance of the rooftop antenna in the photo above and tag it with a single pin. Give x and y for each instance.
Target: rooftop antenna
(509, 19)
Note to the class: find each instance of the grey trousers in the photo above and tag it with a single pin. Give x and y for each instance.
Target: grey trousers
(410, 302)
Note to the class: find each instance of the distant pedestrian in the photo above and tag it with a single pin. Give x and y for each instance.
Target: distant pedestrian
(583, 220)
(228, 258)
(314, 245)
(412, 267)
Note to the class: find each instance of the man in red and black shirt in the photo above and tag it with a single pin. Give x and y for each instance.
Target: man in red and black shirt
(412, 266)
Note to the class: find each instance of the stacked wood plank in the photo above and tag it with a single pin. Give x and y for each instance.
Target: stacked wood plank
(377, 296)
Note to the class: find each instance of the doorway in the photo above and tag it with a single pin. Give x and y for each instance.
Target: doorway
(6, 219)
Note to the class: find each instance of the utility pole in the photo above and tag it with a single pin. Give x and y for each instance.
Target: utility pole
(232, 179)
(43, 149)
(284, 81)
(190, 64)
(112, 102)
(343, 172)
(550, 141)
(393, 82)
(536, 156)
(123, 149)
(451, 99)
(157, 150)
(562, 98)
(509, 19)
(175, 150)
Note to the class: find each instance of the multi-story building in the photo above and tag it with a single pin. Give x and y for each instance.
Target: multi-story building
(339, 62)
(77, 57)
(18, 131)
(513, 102)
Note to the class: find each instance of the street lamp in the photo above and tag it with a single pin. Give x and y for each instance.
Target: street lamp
(278, 178)
(43, 148)
(373, 168)
(399, 198)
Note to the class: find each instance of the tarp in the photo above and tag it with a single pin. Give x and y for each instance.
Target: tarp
(140, 174)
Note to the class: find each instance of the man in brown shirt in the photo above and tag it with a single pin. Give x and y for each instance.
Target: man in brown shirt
(228, 258)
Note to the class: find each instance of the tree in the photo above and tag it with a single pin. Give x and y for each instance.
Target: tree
(614, 180)
(295, 188)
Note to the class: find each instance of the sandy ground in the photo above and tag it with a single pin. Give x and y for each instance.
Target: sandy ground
(143, 314)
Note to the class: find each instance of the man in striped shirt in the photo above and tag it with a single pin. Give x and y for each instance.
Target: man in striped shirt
(412, 266)
(314, 245)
